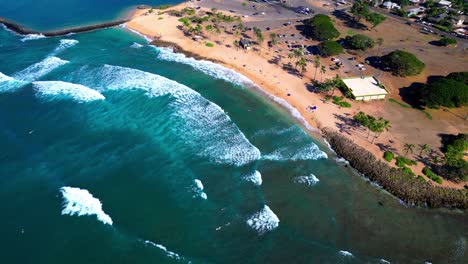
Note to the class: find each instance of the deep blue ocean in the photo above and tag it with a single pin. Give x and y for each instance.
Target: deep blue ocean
(115, 151)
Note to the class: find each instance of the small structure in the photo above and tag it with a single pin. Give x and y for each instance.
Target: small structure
(390, 5)
(365, 88)
(245, 44)
(445, 3)
(458, 21)
(415, 11)
(438, 18)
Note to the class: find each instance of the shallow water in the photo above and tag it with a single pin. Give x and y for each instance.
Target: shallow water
(117, 152)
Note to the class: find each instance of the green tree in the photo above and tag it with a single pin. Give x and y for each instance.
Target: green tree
(375, 19)
(408, 148)
(209, 28)
(330, 48)
(360, 9)
(360, 42)
(423, 148)
(316, 65)
(445, 41)
(403, 63)
(320, 28)
(302, 63)
(259, 35)
(323, 70)
(445, 92)
(273, 39)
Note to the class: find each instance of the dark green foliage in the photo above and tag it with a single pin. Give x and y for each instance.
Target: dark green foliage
(421, 179)
(455, 167)
(445, 41)
(403, 63)
(388, 156)
(445, 92)
(375, 19)
(360, 9)
(408, 171)
(330, 48)
(360, 42)
(406, 187)
(338, 100)
(402, 162)
(459, 76)
(431, 175)
(320, 28)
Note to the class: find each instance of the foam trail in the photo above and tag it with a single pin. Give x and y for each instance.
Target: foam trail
(136, 32)
(307, 152)
(32, 37)
(384, 261)
(80, 202)
(310, 180)
(195, 119)
(214, 70)
(9, 84)
(198, 189)
(254, 177)
(264, 220)
(166, 251)
(345, 253)
(64, 44)
(40, 69)
(51, 90)
(136, 45)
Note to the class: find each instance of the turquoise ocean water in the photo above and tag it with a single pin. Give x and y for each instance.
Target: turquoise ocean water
(113, 151)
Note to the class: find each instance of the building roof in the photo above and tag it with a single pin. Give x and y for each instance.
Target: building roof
(364, 86)
(444, 2)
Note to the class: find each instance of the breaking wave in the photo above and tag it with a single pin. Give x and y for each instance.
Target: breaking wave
(202, 121)
(64, 44)
(40, 69)
(80, 202)
(50, 90)
(308, 152)
(166, 251)
(198, 189)
(345, 253)
(32, 37)
(263, 221)
(384, 261)
(310, 180)
(136, 45)
(254, 177)
(210, 68)
(9, 84)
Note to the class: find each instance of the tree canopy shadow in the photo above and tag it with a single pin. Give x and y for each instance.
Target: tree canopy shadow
(412, 95)
(348, 20)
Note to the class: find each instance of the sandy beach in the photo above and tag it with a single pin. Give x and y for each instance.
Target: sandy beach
(264, 69)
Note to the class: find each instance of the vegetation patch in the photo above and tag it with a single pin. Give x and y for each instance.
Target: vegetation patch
(450, 91)
(360, 42)
(338, 100)
(330, 48)
(431, 175)
(404, 186)
(403, 63)
(320, 28)
(445, 41)
(403, 161)
(209, 44)
(388, 156)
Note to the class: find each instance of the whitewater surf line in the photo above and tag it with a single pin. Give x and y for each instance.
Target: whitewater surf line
(264, 220)
(50, 90)
(17, 28)
(40, 69)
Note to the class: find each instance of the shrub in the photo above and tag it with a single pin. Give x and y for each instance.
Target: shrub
(459, 76)
(445, 41)
(403, 63)
(421, 178)
(431, 175)
(209, 44)
(408, 171)
(402, 161)
(320, 27)
(330, 48)
(345, 104)
(360, 42)
(388, 156)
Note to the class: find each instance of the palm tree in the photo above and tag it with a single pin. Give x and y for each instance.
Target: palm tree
(323, 70)
(408, 148)
(423, 148)
(316, 64)
(273, 39)
(303, 64)
(379, 42)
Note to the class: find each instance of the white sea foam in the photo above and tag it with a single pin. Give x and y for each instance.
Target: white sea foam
(198, 189)
(307, 152)
(384, 261)
(345, 253)
(254, 177)
(32, 37)
(263, 221)
(64, 44)
(166, 251)
(136, 45)
(9, 84)
(80, 202)
(202, 121)
(50, 90)
(310, 180)
(136, 32)
(207, 67)
(39, 69)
